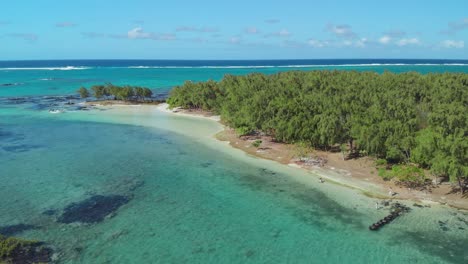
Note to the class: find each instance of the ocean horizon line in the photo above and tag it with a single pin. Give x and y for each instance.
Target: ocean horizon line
(218, 60)
(83, 67)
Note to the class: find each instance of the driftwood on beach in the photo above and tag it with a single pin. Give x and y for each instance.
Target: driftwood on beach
(313, 161)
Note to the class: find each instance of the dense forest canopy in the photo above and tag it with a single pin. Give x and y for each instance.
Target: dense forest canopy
(403, 118)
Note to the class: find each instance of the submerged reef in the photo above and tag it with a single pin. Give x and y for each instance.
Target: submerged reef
(15, 229)
(92, 210)
(16, 250)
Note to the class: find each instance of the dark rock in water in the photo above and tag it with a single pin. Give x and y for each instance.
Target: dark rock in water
(82, 108)
(14, 250)
(268, 172)
(206, 164)
(20, 148)
(5, 134)
(462, 220)
(443, 226)
(40, 107)
(71, 97)
(92, 210)
(15, 229)
(49, 212)
(17, 100)
(10, 84)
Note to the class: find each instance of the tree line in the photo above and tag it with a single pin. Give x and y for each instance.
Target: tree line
(125, 92)
(406, 118)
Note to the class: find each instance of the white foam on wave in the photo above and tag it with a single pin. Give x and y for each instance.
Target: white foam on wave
(67, 68)
(296, 66)
(199, 67)
(70, 68)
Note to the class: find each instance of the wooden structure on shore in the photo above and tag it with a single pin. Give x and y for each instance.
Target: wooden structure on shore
(396, 211)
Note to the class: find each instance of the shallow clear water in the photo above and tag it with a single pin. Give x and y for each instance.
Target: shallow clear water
(191, 203)
(191, 199)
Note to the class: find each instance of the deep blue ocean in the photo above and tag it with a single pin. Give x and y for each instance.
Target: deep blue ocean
(227, 63)
(178, 195)
(64, 77)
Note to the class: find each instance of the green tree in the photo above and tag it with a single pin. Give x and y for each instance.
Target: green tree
(402, 118)
(84, 93)
(99, 91)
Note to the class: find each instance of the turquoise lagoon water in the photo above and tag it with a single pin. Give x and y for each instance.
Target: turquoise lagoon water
(191, 200)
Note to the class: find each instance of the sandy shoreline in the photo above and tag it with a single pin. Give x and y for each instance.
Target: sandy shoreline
(359, 174)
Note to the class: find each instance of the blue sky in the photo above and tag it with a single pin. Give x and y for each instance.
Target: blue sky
(204, 29)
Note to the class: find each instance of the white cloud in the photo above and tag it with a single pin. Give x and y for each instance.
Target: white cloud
(65, 24)
(452, 44)
(455, 27)
(284, 33)
(272, 21)
(408, 41)
(93, 35)
(342, 31)
(197, 29)
(235, 40)
(138, 33)
(167, 36)
(252, 30)
(318, 43)
(385, 39)
(25, 36)
(395, 33)
(362, 43)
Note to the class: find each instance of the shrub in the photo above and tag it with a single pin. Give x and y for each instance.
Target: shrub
(381, 162)
(386, 175)
(243, 130)
(409, 174)
(257, 143)
(84, 93)
(405, 174)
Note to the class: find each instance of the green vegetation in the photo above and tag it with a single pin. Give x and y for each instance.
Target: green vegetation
(257, 143)
(400, 118)
(15, 250)
(84, 93)
(408, 175)
(381, 162)
(126, 92)
(302, 150)
(8, 246)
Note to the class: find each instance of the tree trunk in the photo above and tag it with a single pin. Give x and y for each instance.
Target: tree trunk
(461, 183)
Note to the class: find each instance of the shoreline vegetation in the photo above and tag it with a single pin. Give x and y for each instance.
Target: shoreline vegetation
(114, 94)
(400, 136)
(409, 130)
(359, 173)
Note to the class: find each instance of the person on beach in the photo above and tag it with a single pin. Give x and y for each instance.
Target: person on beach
(321, 180)
(391, 192)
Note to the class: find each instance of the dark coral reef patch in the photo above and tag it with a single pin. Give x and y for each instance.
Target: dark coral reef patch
(92, 210)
